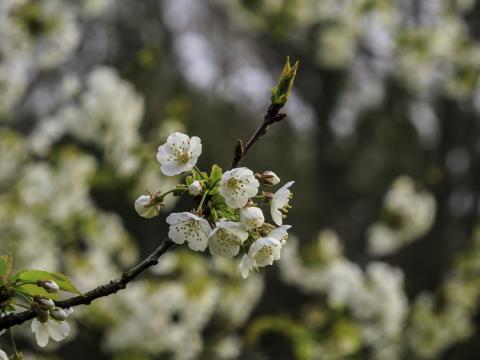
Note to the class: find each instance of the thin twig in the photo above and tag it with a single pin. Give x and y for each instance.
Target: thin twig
(101, 291)
(272, 116)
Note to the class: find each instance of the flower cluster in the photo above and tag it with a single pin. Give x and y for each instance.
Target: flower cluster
(228, 217)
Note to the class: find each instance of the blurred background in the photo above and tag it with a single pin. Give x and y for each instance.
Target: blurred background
(382, 139)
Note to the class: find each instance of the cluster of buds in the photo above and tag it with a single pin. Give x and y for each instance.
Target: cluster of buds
(228, 215)
(50, 320)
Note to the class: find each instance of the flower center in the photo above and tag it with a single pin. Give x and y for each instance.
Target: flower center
(264, 255)
(232, 183)
(182, 157)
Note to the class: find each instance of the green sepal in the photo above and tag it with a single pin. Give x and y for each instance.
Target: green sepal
(189, 180)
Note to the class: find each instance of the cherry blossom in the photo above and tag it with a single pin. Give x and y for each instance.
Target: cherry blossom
(237, 186)
(179, 154)
(190, 228)
(226, 238)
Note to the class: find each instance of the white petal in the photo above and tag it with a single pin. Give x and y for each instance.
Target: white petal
(236, 229)
(226, 239)
(220, 244)
(164, 154)
(280, 233)
(245, 265)
(178, 139)
(195, 147)
(173, 218)
(252, 217)
(277, 216)
(58, 330)
(41, 332)
(3, 356)
(172, 169)
(282, 196)
(234, 201)
(199, 241)
(264, 251)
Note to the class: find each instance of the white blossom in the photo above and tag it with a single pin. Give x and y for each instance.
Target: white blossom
(262, 252)
(237, 186)
(190, 228)
(252, 217)
(179, 154)
(226, 238)
(51, 329)
(279, 203)
(280, 233)
(143, 207)
(195, 188)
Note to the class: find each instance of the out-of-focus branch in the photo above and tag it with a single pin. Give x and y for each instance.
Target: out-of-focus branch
(107, 289)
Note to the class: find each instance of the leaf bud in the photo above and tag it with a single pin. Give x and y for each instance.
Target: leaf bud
(284, 85)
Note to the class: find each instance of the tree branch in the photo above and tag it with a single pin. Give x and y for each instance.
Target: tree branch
(101, 291)
(272, 116)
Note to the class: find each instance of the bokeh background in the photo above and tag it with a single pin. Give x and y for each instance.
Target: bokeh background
(382, 139)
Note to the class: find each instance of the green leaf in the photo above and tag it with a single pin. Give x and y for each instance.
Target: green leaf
(62, 280)
(215, 175)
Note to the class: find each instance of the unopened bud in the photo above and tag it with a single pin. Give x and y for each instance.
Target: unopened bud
(50, 286)
(42, 314)
(58, 314)
(268, 178)
(267, 195)
(195, 188)
(44, 303)
(145, 208)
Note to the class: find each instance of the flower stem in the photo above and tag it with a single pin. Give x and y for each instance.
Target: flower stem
(202, 201)
(159, 198)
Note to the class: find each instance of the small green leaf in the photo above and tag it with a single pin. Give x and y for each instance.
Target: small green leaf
(62, 280)
(215, 175)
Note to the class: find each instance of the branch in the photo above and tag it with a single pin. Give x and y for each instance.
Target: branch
(272, 116)
(110, 288)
